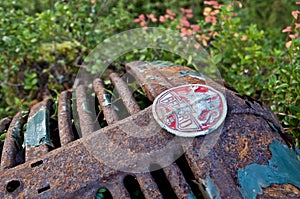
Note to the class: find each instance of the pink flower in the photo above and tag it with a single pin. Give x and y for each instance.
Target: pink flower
(169, 12)
(178, 27)
(185, 22)
(293, 36)
(287, 29)
(162, 19)
(152, 17)
(182, 10)
(142, 17)
(143, 23)
(298, 3)
(136, 20)
(211, 3)
(211, 19)
(295, 14)
(185, 31)
(189, 15)
(215, 12)
(195, 28)
(297, 25)
(189, 11)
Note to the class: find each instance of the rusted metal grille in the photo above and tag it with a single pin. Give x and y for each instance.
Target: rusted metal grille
(66, 169)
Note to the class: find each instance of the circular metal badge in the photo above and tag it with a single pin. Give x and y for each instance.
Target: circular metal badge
(190, 110)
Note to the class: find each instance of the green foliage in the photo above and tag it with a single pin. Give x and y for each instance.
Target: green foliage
(247, 55)
(283, 89)
(270, 16)
(257, 66)
(43, 42)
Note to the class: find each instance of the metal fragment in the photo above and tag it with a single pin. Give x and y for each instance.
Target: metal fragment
(37, 131)
(37, 136)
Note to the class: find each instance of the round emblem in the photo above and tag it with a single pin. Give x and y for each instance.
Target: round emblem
(190, 110)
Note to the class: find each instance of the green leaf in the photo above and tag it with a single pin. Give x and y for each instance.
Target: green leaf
(2, 136)
(284, 85)
(294, 109)
(272, 80)
(34, 81)
(217, 58)
(27, 87)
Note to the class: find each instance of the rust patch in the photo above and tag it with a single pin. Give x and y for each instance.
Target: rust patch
(64, 118)
(109, 114)
(13, 143)
(280, 191)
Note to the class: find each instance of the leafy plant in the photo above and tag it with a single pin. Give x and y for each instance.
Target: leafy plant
(43, 43)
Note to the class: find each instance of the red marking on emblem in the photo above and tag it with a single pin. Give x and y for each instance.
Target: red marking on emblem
(201, 89)
(190, 110)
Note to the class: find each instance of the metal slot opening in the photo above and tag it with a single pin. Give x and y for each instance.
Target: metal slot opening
(189, 176)
(13, 185)
(141, 98)
(53, 126)
(119, 106)
(75, 132)
(137, 92)
(103, 193)
(133, 187)
(162, 182)
(54, 133)
(38, 163)
(44, 189)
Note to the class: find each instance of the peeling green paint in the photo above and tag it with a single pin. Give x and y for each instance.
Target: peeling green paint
(211, 188)
(192, 196)
(106, 100)
(184, 73)
(189, 73)
(283, 168)
(37, 131)
(162, 64)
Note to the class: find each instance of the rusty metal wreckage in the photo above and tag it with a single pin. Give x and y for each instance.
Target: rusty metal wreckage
(249, 141)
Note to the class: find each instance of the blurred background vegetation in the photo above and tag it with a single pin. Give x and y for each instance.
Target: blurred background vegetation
(255, 45)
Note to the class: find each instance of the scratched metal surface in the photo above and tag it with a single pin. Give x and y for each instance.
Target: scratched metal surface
(70, 171)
